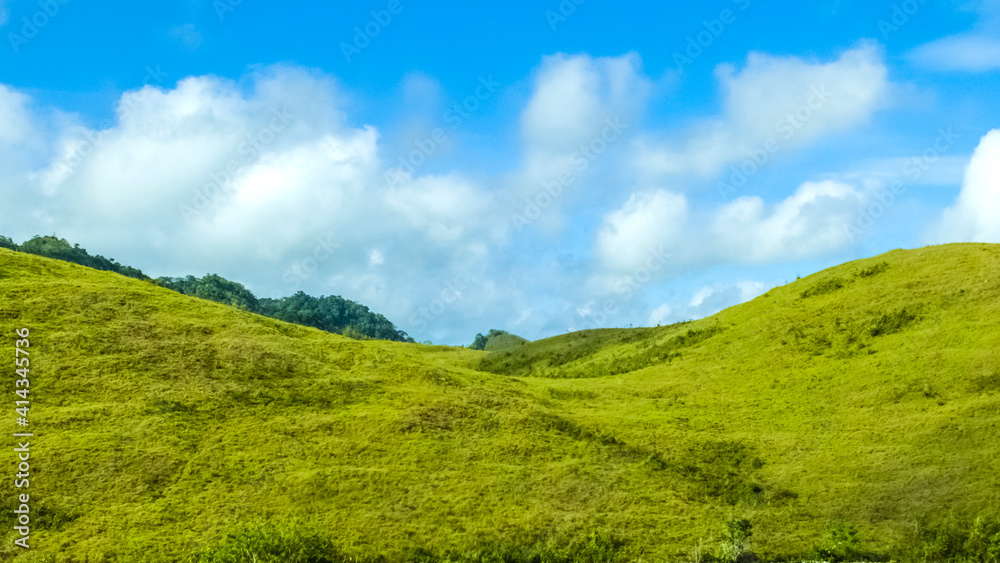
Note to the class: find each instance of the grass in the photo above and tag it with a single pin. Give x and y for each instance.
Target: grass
(859, 421)
(504, 342)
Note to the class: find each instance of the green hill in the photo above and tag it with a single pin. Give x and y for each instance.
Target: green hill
(504, 342)
(330, 313)
(852, 412)
(497, 340)
(61, 249)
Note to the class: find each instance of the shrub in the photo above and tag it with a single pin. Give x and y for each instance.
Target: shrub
(567, 394)
(479, 342)
(983, 543)
(872, 270)
(596, 548)
(842, 543)
(822, 288)
(957, 540)
(262, 542)
(889, 323)
(736, 541)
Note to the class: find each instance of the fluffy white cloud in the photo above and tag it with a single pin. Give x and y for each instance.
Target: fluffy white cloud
(15, 120)
(809, 223)
(972, 52)
(446, 209)
(975, 216)
(266, 181)
(709, 300)
(647, 221)
(574, 96)
(574, 126)
(260, 180)
(784, 102)
(977, 50)
(661, 315)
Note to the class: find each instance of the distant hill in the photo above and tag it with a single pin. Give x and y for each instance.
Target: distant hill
(497, 340)
(504, 342)
(850, 415)
(330, 313)
(61, 249)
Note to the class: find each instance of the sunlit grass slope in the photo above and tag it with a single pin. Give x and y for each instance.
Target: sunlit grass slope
(503, 342)
(867, 394)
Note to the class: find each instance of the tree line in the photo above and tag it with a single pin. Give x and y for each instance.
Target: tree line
(61, 249)
(330, 313)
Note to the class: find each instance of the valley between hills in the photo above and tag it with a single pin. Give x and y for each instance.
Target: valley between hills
(849, 415)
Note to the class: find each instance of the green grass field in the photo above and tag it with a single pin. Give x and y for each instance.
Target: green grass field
(861, 402)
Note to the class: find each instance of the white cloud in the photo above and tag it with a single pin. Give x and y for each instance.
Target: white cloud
(660, 315)
(573, 126)
(947, 170)
(708, 300)
(967, 52)
(261, 180)
(784, 101)
(15, 121)
(646, 221)
(977, 50)
(421, 90)
(24, 145)
(266, 181)
(446, 209)
(574, 95)
(809, 223)
(975, 216)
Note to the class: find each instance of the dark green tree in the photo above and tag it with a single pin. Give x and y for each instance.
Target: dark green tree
(61, 249)
(479, 343)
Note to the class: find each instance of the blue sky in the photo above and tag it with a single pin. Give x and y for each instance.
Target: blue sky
(538, 167)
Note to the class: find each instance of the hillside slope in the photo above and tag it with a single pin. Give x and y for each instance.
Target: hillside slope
(867, 394)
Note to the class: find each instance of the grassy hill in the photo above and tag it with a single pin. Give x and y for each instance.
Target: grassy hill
(504, 342)
(855, 410)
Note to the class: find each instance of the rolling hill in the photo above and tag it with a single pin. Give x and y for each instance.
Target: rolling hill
(853, 412)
